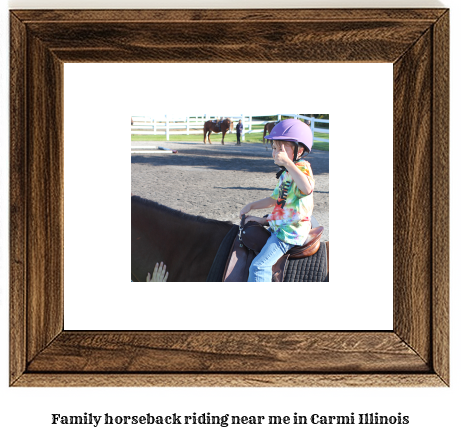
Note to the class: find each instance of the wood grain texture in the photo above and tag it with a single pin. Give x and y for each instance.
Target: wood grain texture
(18, 211)
(45, 199)
(352, 35)
(247, 15)
(440, 188)
(413, 196)
(359, 41)
(230, 380)
(414, 354)
(236, 352)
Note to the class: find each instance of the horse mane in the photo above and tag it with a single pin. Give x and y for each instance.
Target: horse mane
(174, 212)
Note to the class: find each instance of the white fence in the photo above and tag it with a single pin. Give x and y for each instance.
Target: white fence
(142, 125)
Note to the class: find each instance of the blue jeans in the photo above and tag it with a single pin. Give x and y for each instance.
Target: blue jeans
(261, 267)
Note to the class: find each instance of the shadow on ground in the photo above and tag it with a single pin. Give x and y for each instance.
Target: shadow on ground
(251, 158)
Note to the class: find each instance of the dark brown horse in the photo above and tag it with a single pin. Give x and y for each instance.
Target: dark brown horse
(211, 126)
(268, 129)
(186, 244)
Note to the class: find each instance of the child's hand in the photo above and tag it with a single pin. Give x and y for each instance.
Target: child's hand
(281, 157)
(245, 210)
(160, 274)
(258, 219)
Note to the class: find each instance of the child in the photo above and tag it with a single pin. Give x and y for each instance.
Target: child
(289, 221)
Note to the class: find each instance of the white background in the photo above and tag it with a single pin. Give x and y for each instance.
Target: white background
(29, 410)
(97, 185)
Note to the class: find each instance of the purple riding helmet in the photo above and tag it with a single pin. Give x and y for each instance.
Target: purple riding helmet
(292, 130)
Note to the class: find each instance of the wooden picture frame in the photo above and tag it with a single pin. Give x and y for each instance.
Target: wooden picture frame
(414, 353)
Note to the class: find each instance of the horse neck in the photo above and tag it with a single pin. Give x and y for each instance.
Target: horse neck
(171, 227)
(177, 241)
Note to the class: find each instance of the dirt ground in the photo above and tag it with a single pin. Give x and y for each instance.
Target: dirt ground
(216, 181)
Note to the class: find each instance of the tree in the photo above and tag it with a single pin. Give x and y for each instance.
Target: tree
(318, 116)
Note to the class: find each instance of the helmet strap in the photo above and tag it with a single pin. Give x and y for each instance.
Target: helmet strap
(282, 170)
(295, 152)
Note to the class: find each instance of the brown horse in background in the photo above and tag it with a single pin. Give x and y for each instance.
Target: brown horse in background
(268, 129)
(210, 127)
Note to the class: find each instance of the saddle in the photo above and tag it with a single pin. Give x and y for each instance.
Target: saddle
(249, 242)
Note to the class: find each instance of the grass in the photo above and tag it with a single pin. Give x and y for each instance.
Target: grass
(321, 146)
(216, 139)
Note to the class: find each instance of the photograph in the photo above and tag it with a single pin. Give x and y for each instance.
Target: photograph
(208, 193)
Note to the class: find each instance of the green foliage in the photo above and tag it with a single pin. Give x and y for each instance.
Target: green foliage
(321, 146)
(318, 116)
(274, 118)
